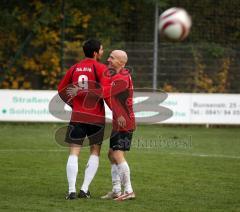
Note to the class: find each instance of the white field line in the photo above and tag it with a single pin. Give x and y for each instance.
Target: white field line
(206, 155)
(34, 150)
(171, 153)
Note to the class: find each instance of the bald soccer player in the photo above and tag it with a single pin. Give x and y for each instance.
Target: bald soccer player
(120, 101)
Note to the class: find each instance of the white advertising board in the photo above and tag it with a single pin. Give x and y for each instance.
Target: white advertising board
(32, 105)
(203, 108)
(22, 105)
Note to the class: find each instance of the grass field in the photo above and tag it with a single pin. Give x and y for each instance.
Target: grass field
(172, 168)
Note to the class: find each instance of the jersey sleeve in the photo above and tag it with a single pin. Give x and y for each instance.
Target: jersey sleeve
(64, 84)
(119, 87)
(113, 85)
(110, 90)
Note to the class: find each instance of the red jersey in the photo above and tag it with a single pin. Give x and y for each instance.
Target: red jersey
(120, 99)
(86, 107)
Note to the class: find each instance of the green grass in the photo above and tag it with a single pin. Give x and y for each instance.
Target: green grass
(172, 169)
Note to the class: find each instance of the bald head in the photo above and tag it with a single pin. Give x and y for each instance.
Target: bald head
(121, 55)
(117, 59)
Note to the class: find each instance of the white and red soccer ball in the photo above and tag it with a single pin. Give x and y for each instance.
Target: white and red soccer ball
(175, 24)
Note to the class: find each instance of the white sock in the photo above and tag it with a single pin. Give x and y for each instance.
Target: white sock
(72, 170)
(116, 182)
(124, 172)
(90, 171)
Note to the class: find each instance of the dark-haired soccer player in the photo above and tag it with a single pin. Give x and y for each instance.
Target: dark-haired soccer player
(88, 115)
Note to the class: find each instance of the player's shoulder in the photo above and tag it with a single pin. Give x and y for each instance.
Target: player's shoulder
(125, 71)
(101, 68)
(100, 65)
(73, 67)
(85, 62)
(90, 62)
(123, 74)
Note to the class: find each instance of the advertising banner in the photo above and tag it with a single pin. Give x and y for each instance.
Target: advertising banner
(172, 108)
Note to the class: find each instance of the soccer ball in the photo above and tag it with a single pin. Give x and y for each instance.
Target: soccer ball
(175, 24)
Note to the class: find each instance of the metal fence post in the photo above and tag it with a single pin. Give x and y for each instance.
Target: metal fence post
(155, 48)
(62, 36)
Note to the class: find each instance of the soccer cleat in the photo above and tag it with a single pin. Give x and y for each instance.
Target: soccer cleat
(71, 196)
(83, 194)
(111, 195)
(126, 196)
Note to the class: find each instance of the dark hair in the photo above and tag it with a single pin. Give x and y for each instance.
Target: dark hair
(90, 46)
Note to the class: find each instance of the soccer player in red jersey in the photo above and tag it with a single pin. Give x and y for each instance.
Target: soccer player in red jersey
(88, 115)
(117, 91)
(120, 100)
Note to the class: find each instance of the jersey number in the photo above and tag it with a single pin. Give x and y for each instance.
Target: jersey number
(83, 82)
